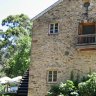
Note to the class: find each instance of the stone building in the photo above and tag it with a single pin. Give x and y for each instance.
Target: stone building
(63, 41)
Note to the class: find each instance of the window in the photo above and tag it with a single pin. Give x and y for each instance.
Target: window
(52, 76)
(54, 28)
(87, 33)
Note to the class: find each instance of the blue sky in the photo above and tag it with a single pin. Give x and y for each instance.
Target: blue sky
(28, 7)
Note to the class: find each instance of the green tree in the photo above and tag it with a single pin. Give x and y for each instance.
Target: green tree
(16, 26)
(16, 44)
(19, 62)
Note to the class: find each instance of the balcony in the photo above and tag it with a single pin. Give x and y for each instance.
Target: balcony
(86, 39)
(86, 42)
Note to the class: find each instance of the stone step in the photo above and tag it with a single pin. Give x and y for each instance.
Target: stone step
(24, 85)
(22, 94)
(23, 88)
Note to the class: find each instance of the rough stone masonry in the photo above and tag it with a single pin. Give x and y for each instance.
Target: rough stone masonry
(59, 51)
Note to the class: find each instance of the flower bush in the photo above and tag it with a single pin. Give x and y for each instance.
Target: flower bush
(86, 88)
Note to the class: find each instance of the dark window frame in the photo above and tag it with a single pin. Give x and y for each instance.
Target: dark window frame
(87, 37)
(53, 28)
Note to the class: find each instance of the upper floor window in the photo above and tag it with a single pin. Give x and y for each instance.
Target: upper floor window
(52, 76)
(87, 33)
(54, 28)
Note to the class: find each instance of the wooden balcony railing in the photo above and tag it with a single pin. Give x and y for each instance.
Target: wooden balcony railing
(87, 39)
(86, 42)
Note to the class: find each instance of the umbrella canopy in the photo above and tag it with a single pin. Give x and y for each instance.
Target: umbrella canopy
(4, 80)
(16, 79)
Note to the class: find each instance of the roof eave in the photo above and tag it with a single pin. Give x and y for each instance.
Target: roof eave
(46, 10)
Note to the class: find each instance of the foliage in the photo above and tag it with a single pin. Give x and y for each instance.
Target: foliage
(15, 44)
(77, 79)
(2, 88)
(2, 73)
(19, 62)
(67, 88)
(63, 89)
(16, 25)
(86, 88)
(54, 91)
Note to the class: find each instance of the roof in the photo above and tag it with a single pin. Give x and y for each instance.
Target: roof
(46, 10)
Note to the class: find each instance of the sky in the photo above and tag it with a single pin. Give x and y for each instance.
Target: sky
(28, 7)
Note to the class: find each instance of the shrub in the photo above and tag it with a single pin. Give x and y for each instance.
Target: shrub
(86, 88)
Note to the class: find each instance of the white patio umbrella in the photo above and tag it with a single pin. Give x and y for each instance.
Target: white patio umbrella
(16, 79)
(4, 80)
(7, 81)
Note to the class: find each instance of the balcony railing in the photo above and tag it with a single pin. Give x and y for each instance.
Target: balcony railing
(86, 41)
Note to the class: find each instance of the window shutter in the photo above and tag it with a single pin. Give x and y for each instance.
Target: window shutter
(80, 33)
(80, 29)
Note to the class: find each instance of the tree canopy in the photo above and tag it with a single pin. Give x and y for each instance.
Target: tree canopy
(16, 44)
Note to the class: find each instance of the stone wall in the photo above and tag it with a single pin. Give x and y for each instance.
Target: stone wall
(58, 52)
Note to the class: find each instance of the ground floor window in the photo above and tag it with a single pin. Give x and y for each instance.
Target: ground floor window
(52, 76)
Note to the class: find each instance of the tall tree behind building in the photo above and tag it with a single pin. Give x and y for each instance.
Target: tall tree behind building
(16, 44)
